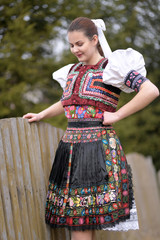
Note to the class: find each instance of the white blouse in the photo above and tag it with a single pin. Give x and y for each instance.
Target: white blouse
(119, 64)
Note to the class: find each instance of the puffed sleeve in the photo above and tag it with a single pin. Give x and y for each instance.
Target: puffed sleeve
(125, 70)
(61, 75)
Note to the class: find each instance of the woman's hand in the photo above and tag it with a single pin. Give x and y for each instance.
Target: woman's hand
(52, 111)
(110, 118)
(32, 117)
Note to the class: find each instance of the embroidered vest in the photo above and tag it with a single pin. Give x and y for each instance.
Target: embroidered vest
(85, 87)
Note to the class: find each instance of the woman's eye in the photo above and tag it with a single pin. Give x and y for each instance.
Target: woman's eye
(80, 44)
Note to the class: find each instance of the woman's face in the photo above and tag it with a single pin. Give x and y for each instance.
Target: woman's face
(82, 47)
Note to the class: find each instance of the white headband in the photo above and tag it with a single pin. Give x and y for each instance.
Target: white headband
(102, 40)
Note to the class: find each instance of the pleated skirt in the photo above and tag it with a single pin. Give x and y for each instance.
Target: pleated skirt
(90, 184)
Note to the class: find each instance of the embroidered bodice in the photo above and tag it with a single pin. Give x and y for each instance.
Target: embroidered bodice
(85, 87)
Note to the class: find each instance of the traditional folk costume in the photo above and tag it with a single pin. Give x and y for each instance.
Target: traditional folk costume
(90, 184)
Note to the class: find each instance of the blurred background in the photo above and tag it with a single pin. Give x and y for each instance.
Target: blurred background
(33, 44)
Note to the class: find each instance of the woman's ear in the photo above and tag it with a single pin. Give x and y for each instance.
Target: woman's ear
(95, 39)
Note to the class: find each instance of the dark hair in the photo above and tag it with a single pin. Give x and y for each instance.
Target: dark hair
(85, 25)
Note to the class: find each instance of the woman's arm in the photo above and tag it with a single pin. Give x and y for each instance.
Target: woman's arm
(52, 111)
(148, 92)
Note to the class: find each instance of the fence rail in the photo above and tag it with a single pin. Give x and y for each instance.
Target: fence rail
(26, 156)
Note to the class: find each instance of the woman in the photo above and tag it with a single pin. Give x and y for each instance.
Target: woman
(90, 185)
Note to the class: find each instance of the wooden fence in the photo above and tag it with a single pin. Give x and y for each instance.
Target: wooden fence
(26, 156)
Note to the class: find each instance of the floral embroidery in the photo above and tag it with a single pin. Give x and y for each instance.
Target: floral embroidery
(112, 142)
(76, 112)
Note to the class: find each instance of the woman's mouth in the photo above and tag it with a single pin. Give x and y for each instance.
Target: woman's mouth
(79, 55)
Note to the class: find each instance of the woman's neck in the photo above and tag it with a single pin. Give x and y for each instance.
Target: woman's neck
(95, 59)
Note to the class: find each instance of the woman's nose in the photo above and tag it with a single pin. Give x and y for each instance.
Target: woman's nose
(75, 49)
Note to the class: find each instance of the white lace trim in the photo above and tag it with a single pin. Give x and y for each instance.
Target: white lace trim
(129, 224)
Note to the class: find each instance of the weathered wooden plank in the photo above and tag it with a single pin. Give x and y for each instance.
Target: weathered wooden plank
(3, 232)
(33, 173)
(19, 179)
(28, 186)
(6, 202)
(12, 183)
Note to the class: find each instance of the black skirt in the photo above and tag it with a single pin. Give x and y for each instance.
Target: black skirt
(90, 184)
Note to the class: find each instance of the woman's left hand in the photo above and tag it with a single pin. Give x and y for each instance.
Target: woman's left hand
(110, 118)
